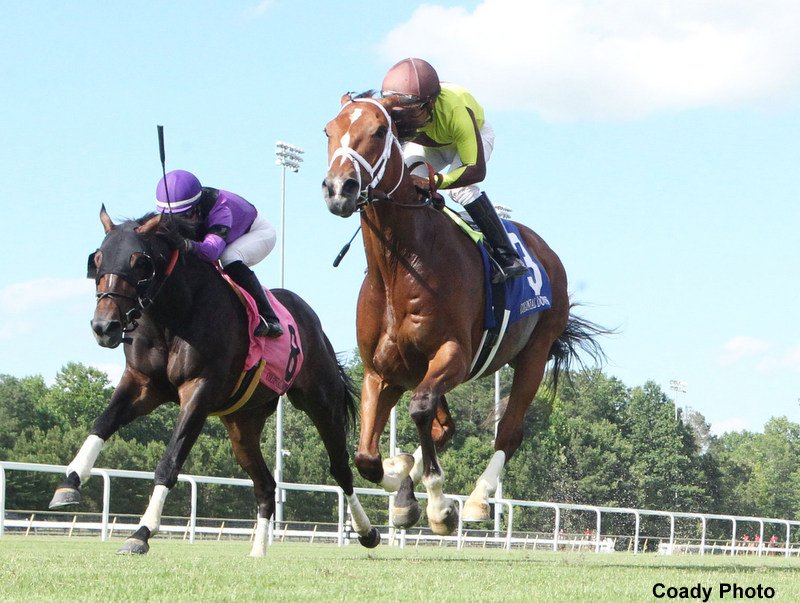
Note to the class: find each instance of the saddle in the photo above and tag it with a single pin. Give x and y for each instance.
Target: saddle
(272, 362)
(507, 302)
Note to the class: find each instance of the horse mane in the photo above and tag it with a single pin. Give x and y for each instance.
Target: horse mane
(173, 223)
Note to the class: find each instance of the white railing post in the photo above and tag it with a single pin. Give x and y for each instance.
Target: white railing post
(193, 513)
(106, 503)
(2, 500)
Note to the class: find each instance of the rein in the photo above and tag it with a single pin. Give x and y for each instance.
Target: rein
(141, 301)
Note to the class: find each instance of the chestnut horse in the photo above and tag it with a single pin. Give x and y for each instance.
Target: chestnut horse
(189, 342)
(420, 315)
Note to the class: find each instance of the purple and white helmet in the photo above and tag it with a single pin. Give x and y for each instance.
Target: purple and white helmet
(184, 191)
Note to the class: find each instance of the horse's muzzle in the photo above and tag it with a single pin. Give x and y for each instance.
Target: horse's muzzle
(341, 195)
(108, 333)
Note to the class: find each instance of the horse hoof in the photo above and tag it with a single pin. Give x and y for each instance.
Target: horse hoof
(395, 470)
(476, 511)
(371, 540)
(65, 496)
(405, 517)
(447, 526)
(133, 546)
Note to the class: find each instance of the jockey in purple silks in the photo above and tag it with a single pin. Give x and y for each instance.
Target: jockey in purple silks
(236, 235)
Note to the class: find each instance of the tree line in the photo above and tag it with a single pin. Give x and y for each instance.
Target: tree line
(595, 441)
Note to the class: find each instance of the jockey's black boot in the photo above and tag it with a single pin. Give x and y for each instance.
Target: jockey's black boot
(269, 326)
(511, 266)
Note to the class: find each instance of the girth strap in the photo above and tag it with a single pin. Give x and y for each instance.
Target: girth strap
(242, 392)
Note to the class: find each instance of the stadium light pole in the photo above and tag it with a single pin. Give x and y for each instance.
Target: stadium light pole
(288, 157)
(677, 386)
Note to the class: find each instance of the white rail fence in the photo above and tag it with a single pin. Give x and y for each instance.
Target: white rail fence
(340, 532)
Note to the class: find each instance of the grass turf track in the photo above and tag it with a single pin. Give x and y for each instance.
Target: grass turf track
(85, 569)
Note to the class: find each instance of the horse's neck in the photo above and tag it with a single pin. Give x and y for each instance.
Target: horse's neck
(188, 292)
(398, 239)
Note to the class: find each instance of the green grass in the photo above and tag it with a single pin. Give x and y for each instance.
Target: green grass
(85, 569)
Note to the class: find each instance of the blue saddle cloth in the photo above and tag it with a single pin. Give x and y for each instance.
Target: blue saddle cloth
(520, 296)
(507, 302)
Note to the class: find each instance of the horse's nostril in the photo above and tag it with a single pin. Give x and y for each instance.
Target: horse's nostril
(350, 187)
(106, 327)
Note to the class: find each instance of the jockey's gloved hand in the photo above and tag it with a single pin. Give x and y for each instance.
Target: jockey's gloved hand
(179, 242)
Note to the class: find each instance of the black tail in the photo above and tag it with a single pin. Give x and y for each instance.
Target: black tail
(351, 394)
(579, 336)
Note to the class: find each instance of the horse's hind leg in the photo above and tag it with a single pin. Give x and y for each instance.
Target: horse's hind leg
(528, 373)
(329, 416)
(244, 430)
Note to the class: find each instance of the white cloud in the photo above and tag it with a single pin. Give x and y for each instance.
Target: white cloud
(791, 359)
(741, 347)
(20, 298)
(260, 8)
(728, 425)
(610, 59)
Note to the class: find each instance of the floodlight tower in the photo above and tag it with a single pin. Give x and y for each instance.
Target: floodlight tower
(288, 157)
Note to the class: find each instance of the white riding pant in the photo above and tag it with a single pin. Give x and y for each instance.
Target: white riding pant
(444, 157)
(253, 246)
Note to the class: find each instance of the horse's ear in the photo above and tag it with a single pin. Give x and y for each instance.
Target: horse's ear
(346, 98)
(108, 225)
(150, 226)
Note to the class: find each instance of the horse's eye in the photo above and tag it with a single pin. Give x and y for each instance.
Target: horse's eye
(325, 131)
(381, 132)
(142, 265)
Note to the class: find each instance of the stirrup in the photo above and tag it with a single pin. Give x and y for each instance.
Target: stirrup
(514, 269)
(268, 328)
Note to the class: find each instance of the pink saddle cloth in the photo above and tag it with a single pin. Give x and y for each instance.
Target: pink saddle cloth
(283, 355)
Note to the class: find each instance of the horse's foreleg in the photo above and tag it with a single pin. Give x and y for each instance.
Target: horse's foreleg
(377, 401)
(187, 428)
(127, 402)
(445, 370)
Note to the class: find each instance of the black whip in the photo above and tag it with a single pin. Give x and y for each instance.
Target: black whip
(345, 249)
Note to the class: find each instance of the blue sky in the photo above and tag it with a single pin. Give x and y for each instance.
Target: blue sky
(654, 145)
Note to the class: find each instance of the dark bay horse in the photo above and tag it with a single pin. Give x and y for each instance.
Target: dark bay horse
(186, 339)
(420, 315)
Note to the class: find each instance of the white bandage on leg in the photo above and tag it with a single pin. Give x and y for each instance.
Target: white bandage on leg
(152, 516)
(360, 520)
(416, 470)
(488, 479)
(84, 461)
(260, 540)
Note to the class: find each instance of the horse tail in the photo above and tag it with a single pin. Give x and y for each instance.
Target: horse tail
(580, 336)
(351, 394)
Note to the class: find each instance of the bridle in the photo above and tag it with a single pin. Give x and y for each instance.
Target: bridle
(376, 170)
(146, 291)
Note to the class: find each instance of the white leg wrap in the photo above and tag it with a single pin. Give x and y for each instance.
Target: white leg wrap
(152, 516)
(416, 471)
(260, 540)
(487, 482)
(84, 461)
(395, 470)
(360, 520)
